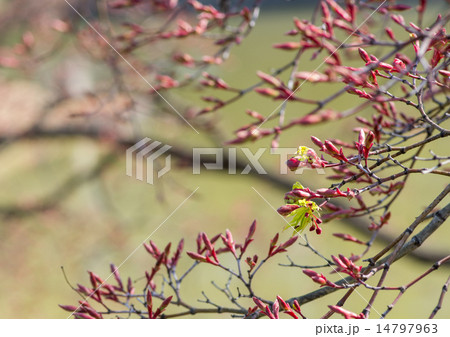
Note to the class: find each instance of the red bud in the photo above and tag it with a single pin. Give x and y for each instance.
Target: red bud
(293, 163)
(348, 237)
(288, 45)
(70, 308)
(330, 147)
(196, 256)
(287, 209)
(269, 79)
(364, 55)
(390, 33)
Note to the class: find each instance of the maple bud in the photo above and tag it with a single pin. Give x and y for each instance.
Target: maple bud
(347, 237)
(347, 314)
(267, 92)
(269, 79)
(339, 10)
(316, 277)
(317, 141)
(369, 140)
(422, 6)
(196, 256)
(288, 45)
(364, 55)
(398, 19)
(390, 33)
(293, 163)
(330, 147)
(361, 137)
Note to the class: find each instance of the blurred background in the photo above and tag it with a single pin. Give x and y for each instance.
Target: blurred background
(69, 108)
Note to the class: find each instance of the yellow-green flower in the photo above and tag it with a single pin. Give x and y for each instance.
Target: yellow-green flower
(306, 214)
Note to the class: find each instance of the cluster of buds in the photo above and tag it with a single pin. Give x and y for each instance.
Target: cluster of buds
(347, 266)
(400, 63)
(360, 93)
(303, 212)
(384, 219)
(364, 144)
(346, 313)
(319, 38)
(281, 248)
(374, 66)
(184, 59)
(207, 12)
(329, 148)
(251, 261)
(373, 63)
(320, 279)
(313, 77)
(84, 310)
(158, 255)
(206, 252)
(378, 123)
(208, 16)
(213, 81)
(318, 117)
(291, 311)
(274, 311)
(248, 133)
(229, 243)
(305, 158)
(155, 314)
(162, 259)
(278, 89)
(355, 77)
(165, 82)
(306, 194)
(99, 292)
(185, 29)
